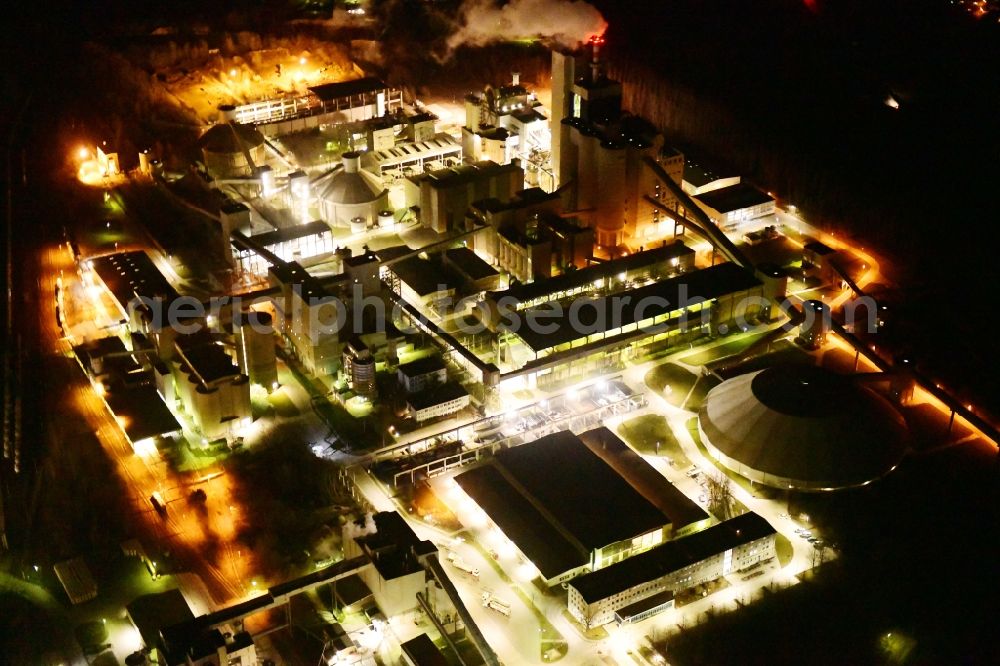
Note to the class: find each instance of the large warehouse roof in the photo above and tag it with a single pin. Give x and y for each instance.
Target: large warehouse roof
(802, 427)
(558, 501)
(543, 544)
(586, 495)
(671, 556)
(678, 507)
(131, 275)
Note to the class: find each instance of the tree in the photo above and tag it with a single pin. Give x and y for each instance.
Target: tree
(721, 502)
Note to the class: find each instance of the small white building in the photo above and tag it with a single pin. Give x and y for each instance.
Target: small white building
(441, 400)
(421, 374)
(732, 206)
(595, 598)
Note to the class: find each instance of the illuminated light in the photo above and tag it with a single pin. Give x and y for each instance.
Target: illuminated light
(100, 389)
(132, 639)
(526, 572)
(506, 549)
(232, 72)
(302, 60)
(83, 153)
(274, 386)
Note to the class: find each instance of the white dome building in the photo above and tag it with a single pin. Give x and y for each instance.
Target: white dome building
(802, 427)
(352, 193)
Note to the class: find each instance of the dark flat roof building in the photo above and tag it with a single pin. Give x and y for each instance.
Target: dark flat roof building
(734, 197)
(332, 91)
(131, 275)
(422, 366)
(437, 395)
(620, 310)
(678, 507)
(587, 276)
(421, 651)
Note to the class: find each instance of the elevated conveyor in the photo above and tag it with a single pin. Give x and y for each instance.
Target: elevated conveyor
(701, 221)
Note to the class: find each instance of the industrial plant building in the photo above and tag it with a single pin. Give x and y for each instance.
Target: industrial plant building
(618, 591)
(443, 197)
(731, 206)
(193, 372)
(528, 236)
(600, 154)
(802, 427)
(595, 333)
(503, 124)
(356, 100)
(667, 260)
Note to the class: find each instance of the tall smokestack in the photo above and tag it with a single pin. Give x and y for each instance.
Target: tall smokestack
(516, 78)
(596, 66)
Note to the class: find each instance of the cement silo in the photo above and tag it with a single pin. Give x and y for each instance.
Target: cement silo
(352, 193)
(231, 150)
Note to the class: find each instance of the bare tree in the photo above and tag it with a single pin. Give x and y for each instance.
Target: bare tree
(719, 489)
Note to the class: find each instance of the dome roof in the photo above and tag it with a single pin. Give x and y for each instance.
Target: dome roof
(350, 185)
(802, 427)
(227, 138)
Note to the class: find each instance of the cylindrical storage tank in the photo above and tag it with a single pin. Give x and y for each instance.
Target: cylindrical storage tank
(144, 162)
(227, 113)
(255, 351)
(610, 194)
(226, 146)
(815, 324)
(207, 414)
(586, 168)
(386, 219)
(352, 193)
(358, 225)
(363, 376)
(775, 281)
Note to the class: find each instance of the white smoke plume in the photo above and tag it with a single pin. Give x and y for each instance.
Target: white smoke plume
(558, 22)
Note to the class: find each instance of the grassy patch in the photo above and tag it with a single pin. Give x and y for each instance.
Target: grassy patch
(282, 404)
(592, 634)
(701, 388)
(736, 344)
(671, 380)
(783, 548)
(644, 432)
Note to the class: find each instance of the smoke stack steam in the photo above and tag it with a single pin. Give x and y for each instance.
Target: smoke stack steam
(564, 23)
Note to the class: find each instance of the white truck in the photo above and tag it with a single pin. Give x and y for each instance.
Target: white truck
(462, 565)
(502, 607)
